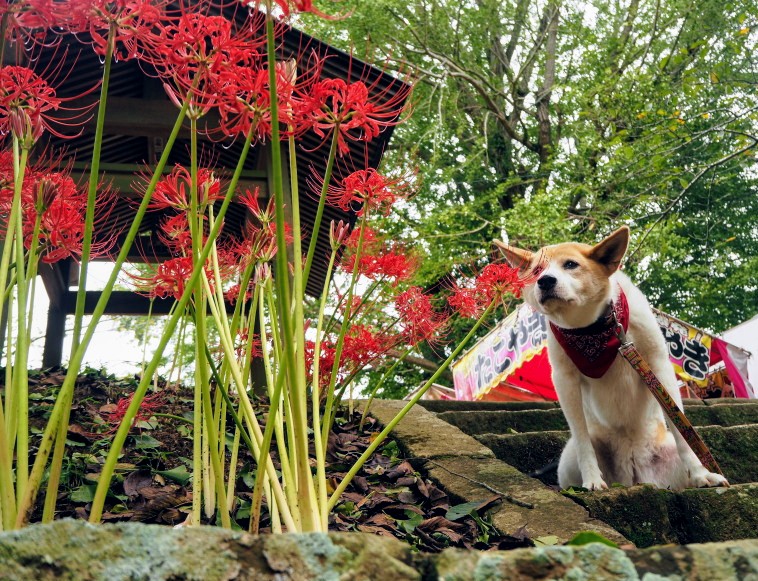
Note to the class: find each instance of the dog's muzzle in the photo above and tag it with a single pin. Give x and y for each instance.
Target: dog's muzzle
(547, 284)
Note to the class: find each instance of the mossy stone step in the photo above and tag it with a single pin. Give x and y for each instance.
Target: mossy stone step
(735, 448)
(650, 516)
(504, 421)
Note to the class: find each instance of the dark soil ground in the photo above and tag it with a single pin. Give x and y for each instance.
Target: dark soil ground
(152, 481)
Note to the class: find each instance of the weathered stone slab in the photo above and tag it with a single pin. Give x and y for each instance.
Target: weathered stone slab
(78, 551)
(503, 422)
(735, 448)
(732, 561)
(471, 480)
(439, 406)
(422, 435)
(475, 422)
(75, 550)
(649, 516)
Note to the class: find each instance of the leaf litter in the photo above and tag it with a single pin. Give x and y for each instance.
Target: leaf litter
(388, 497)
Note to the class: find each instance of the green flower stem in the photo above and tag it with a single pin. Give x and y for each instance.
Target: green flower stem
(321, 204)
(232, 478)
(21, 371)
(330, 400)
(298, 389)
(31, 274)
(173, 417)
(7, 495)
(210, 426)
(272, 423)
(123, 431)
(56, 467)
(228, 348)
(316, 401)
(401, 414)
(76, 359)
(89, 216)
(200, 484)
(305, 485)
(254, 445)
(277, 419)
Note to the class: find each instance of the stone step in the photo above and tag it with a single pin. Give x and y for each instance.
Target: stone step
(509, 420)
(734, 447)
(449, 405)
(649, 516)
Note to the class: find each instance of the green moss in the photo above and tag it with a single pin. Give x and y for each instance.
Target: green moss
(649, 516)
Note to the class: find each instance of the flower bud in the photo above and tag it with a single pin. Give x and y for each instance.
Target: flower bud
(46, 192)
(338, 232)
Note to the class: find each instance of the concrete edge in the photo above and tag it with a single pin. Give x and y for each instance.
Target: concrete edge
(69, 550)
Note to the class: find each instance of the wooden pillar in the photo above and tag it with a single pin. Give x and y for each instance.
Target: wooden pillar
(56, 278)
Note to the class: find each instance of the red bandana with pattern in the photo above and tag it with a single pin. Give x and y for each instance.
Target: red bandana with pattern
(593, 349)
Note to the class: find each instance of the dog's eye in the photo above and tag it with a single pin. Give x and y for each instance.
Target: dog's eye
(570, 265)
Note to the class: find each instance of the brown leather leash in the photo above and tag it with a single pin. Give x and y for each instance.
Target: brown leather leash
(629, 352)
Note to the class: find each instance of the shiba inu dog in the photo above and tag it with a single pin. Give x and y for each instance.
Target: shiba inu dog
(618, 431)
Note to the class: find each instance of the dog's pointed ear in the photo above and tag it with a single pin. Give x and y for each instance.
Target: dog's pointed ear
(610, 251)
(516, 257)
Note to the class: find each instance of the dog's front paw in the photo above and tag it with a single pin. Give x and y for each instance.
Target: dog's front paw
(702, 478)
(595, 484)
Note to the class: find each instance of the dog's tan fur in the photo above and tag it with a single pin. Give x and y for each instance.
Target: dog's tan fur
(618, 430)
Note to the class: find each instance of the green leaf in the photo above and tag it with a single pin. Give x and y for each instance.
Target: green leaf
(410, 525)
(586, 537)
(85, 493)
(571, 490)
(461, 510)
(179, 474)
(142, 441)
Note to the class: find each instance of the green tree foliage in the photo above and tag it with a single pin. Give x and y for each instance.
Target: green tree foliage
(547, 120)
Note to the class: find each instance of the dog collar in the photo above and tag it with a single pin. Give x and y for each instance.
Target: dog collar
(593, 348)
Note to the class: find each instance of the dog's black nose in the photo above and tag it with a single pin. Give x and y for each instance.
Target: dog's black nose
(546, 282)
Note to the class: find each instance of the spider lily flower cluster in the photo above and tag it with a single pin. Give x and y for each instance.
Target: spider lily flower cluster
(249, 285)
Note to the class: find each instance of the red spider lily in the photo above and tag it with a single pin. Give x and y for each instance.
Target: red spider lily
(326, 361)
(251, 201)
(173, 191)
(25, 101)
(241, 345)
(371, 238)
(395, 264)
(366, 189)
(493, 283)
(244, 101)
(175, 234)
(466, 301)
(53, 199)
(297, 6)
(150, 404)
(131, 20)
(259, 243)
(244, 98)
(27, 22)
(170, 278)
(191, 52)
(233, 294)
(362, 345)
(418, 319)
(357, 111)
(28, 104)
